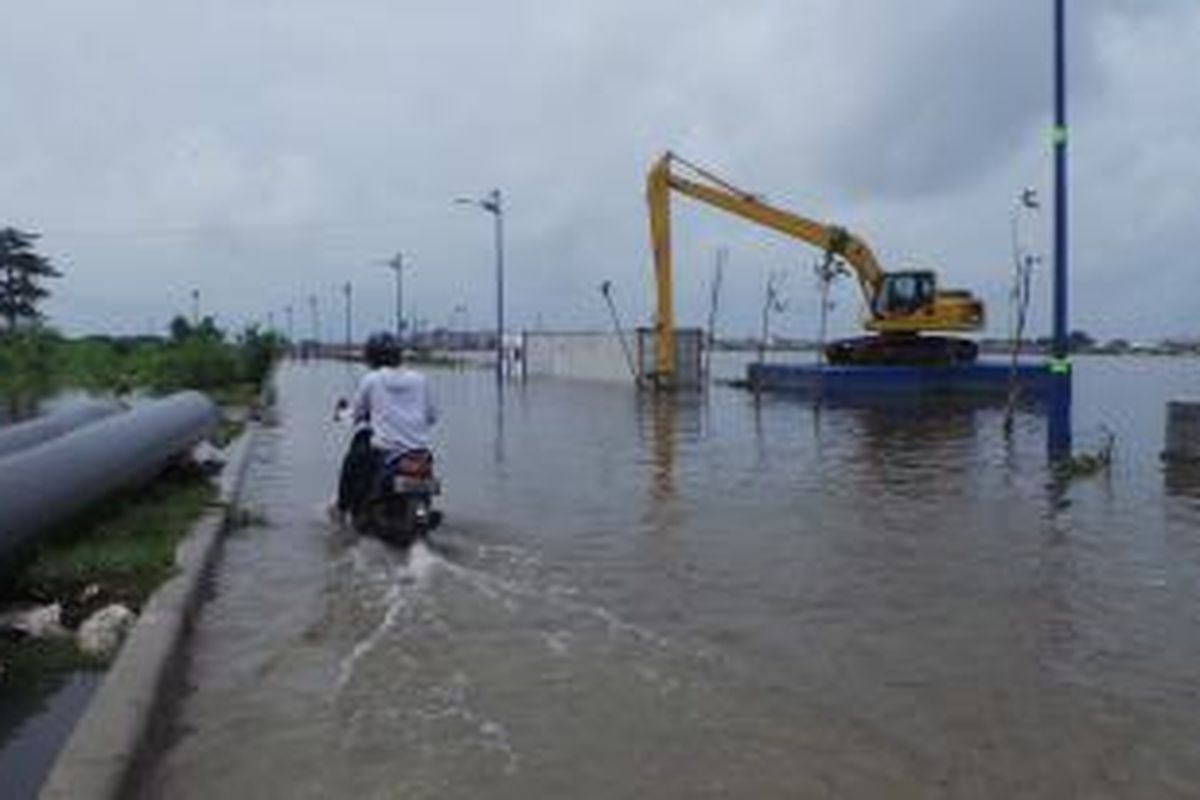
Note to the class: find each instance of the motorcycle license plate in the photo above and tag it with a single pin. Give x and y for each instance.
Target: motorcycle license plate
(405, 485)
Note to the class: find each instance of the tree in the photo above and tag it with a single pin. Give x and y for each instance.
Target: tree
(207, 330)
(1080, 341)
(22, 271)
(181, 329)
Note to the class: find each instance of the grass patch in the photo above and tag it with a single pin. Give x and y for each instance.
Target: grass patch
(228, 429)
(243, 395)
(119, 553)
(34, 665)
(122, 551)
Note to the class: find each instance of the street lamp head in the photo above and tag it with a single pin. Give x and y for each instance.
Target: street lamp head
(396, 262)
(489, 203)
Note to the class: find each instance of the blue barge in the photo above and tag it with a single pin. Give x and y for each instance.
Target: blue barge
(981, 379)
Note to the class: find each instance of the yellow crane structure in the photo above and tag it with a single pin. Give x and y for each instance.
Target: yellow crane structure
(901, 305)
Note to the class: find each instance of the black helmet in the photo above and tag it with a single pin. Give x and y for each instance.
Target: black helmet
(382, 350)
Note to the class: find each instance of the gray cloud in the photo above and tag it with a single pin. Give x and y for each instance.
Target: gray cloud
(263, 152)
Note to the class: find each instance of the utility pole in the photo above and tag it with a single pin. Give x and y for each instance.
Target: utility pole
(315, 311)
(827, 270)
(195, 308)
(493, 203)
(606, 291)
(397, 264)
(713, 303)
(772, 302)
(347, 290)
(291, 326)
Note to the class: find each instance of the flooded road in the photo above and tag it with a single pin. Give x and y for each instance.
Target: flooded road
(720, 598)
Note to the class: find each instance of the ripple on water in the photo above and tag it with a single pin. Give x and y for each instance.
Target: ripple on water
(719, 598)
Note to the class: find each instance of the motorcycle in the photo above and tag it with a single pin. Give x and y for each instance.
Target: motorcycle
(399, 508)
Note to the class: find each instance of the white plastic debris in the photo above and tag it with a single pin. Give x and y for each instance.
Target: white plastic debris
(103, 631)
(42, 622)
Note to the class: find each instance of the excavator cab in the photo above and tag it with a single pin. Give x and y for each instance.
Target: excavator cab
(905, 293)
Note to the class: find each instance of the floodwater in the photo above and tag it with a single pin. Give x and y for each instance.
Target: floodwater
(35, 725)
(716, 597)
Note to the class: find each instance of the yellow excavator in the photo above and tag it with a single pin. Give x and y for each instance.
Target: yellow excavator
(901, 305)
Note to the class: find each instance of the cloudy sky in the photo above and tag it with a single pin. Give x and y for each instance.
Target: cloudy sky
(265, 151)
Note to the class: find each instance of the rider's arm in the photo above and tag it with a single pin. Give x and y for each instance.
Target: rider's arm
(362, 400)
(431, 409)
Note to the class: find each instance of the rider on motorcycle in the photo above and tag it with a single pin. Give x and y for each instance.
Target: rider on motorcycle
(393, 411)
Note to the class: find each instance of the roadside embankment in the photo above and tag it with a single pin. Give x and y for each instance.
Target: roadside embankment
(119, 558)
(116, 735)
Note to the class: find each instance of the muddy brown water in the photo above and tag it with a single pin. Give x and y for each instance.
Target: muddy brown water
(717, 598)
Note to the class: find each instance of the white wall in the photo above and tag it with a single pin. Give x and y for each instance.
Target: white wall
(588, 355)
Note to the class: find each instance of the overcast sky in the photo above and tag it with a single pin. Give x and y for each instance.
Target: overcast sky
(264, 151)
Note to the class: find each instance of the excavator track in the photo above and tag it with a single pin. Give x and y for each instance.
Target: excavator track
(902, 351)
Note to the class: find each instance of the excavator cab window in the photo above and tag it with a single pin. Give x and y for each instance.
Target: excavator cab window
(905, 293)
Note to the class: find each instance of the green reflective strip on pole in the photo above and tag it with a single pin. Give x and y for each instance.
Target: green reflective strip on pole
(1060, 366)
(1058, 134)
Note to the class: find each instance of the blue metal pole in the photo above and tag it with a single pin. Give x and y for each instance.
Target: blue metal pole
(1059, 423)
(1061, 333)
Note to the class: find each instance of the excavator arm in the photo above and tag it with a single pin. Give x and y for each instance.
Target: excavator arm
(941, 311)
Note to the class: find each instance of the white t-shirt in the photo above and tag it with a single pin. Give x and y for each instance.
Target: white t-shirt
(397, 404)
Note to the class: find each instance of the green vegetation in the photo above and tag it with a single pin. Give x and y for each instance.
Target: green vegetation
(228, 429)
(120, 554)
(22, 272)
(123, 551)
(36, 362)
(40, 664)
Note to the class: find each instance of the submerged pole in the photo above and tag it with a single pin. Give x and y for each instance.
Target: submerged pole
(1061, 334)
(1059, 427)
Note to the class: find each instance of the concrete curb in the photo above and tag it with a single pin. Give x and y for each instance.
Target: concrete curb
(114, 740)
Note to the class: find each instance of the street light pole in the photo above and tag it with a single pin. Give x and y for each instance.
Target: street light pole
(497, 209)
(347, 291)
(397, 264)
(493, 203)
(314, 310)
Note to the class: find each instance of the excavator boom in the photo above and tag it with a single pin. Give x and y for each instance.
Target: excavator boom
(902, 303)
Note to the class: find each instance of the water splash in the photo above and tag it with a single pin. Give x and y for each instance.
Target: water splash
(406, 576)
(452, 700)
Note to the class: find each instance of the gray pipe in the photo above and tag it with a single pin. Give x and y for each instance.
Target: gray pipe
(23, 435)
(46, 485)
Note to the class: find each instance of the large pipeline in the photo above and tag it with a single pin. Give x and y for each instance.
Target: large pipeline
(46, 485)
(24, 435)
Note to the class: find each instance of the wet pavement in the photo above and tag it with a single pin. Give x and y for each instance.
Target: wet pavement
(715, 597)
